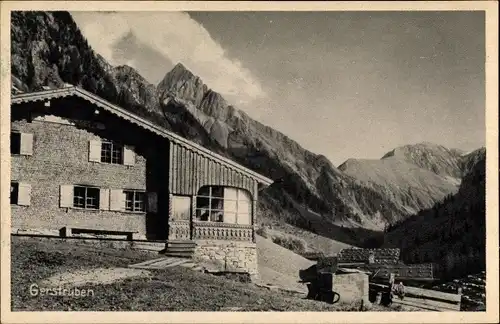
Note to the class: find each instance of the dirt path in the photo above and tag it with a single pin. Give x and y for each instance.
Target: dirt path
(94, 276)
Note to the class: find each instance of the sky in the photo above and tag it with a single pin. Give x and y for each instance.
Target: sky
(342, 84)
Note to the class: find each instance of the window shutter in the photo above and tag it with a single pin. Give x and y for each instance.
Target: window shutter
(104, 199)
(128, 155)
(152, 202)
(66, 196)
(26, 144)
(95, 151)
(116, 200)
(24, 194)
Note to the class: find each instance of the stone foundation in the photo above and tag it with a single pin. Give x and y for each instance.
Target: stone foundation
(352, 287)
(227, 256)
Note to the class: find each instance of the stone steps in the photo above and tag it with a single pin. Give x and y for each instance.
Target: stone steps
(179, 243)
(149, 246)
(180, 248)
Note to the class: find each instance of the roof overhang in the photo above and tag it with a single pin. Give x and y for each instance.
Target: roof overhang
(68, 91)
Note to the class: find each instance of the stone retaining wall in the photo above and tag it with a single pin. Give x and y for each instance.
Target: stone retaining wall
(227, 256)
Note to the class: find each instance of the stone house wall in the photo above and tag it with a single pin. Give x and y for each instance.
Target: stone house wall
(60, 156)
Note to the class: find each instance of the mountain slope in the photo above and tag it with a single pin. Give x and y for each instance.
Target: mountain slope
(406, 184)
(452, 233)
(301, 176)
(48, 49)
(472, 159)
(414, 177)
(429, 156)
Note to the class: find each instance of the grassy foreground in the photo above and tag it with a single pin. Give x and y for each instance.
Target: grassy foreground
(171, 289)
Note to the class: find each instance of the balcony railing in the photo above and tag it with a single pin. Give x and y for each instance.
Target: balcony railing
(221, 231)
(179, 230)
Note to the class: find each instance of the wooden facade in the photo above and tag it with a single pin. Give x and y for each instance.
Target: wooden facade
(189, 171)
(176, 168)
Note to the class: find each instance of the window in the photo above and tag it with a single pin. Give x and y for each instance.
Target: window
(15, 143)
(111, 153)
(181, 208)
(20, 194)
(134, 201)
(86, 197)
(21, 143)
(224, 204)
(14, 193)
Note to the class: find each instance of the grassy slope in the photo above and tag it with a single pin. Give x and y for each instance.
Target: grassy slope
(170, 289)
(279, 266)
(315, 242)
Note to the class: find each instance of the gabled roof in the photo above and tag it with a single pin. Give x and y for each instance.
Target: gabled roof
(133, 118)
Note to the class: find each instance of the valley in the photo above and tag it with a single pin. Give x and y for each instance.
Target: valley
(413, 192)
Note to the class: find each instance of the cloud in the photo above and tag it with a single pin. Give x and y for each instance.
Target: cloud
(180, 39)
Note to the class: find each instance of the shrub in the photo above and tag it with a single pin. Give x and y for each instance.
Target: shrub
(296, 245)
(262, 231)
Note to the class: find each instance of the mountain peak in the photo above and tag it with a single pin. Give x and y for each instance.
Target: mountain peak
(182, 83)
(179, 73)
(427, 143)
(180, 69)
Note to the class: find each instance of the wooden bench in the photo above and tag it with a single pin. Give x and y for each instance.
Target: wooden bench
(74, 232)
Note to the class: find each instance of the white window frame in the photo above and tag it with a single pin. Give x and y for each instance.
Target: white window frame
(86, 197)
(115, 147)
(97, 152)
(135, 200)
(209, 208)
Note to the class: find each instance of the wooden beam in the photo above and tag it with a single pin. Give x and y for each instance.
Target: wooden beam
(433, 294)
(421, 293)
(426, 304)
